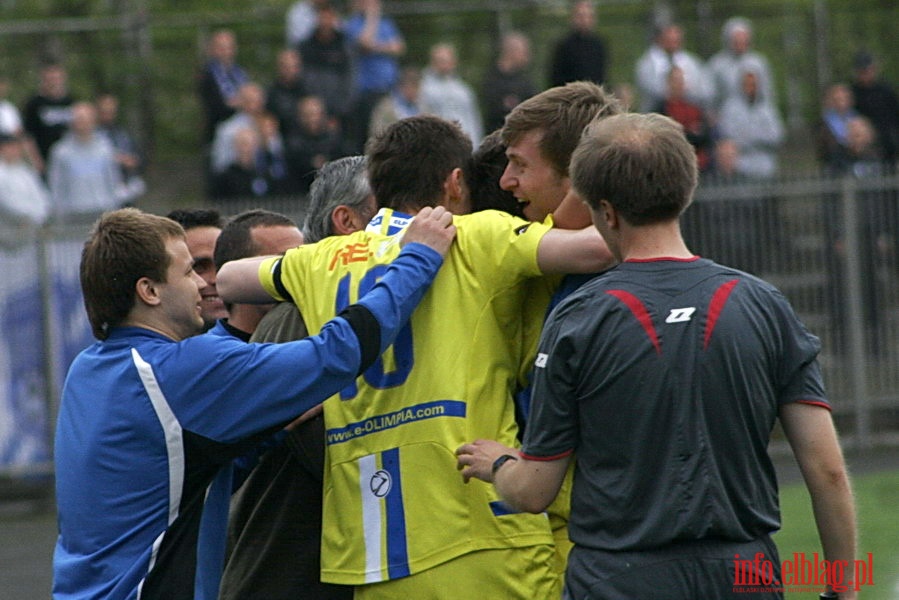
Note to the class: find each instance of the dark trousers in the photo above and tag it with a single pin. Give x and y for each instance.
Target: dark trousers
(276, 525)
(681, 571)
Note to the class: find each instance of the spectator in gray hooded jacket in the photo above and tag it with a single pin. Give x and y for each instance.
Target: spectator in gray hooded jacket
(752, 121)
(737, 55)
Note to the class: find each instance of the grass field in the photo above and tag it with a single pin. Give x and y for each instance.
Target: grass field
(877, 498)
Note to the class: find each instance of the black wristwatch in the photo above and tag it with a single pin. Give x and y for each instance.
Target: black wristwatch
(500, 462)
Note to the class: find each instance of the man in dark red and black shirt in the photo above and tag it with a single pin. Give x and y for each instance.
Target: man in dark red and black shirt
(665, 377)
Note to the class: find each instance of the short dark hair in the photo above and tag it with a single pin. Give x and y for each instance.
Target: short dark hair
(124, 246)
(189, 218)
(342, 181)
(561, 113)
(409, 161)
(642, 164)
(236, 239)
(487, 166)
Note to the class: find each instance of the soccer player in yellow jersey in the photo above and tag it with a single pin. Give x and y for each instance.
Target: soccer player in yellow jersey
(398, 521)
(540, 134)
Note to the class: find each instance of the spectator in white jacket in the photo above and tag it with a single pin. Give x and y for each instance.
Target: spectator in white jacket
(445, 94)
(654, 65)
(24, 201)
(82, 172)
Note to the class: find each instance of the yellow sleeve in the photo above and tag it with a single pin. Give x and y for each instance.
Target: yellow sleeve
(500, 243)
(267, 270)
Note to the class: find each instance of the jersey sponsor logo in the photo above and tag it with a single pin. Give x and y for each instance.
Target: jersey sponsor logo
(522, 229)
(540, 362)
(680, 315)
(380, 483)
(411, 414)
(350, 254)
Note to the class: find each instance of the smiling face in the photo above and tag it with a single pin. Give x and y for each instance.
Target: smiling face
(179, 295)
(201, 245)
(534, 182)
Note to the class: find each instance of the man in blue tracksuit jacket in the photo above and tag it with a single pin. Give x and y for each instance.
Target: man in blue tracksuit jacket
(151, 412)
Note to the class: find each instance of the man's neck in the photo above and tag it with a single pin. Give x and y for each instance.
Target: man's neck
(149, 322)
(408, 210)
(246, 317)
(646, 242)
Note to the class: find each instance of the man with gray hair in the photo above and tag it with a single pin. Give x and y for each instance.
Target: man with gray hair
(275, 529)
(340, 200)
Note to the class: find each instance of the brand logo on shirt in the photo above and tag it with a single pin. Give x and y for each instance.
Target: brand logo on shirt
(680, 315)
(380, 483)
(522, 229)
(349, 254)
(541, 360)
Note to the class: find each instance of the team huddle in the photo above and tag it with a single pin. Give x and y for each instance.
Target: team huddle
(464, 403)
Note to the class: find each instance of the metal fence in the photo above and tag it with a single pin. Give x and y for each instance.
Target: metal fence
(830, 244)
(45, 327)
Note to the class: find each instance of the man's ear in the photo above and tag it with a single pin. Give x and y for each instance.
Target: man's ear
(454, 192)
(147, 291)
(344, 220)
(609, 214)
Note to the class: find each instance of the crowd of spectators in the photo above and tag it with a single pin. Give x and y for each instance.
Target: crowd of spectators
(344, 74)
(63, 157)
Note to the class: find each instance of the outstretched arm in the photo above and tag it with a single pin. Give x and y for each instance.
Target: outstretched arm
(564, 251)
(574, 245)
(811, 434)
(528, 485)
(238, 281)
(572, 213)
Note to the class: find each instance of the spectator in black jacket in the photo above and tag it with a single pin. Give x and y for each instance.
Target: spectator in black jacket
(287, 89)
(245, 177)
(328, 64)
(877, 100)
(220, 80)
(315, 142)
(508, 81)
(48, 112)
(581, 55)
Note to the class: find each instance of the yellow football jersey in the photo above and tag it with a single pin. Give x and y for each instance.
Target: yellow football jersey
(394, 502)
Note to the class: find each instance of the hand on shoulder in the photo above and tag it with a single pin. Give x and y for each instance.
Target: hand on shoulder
(432, 227)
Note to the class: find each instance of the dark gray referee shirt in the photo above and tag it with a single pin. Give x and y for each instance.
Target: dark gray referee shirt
(664, 378)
